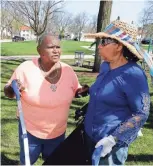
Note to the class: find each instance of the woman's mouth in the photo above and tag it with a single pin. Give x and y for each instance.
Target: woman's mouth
(55, 56)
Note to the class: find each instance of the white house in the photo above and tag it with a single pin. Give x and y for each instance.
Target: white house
(72, 36)
(27, 33)
(86, 39)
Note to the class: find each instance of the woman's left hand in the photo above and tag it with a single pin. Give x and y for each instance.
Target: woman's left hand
(107, 143)
(83, 91)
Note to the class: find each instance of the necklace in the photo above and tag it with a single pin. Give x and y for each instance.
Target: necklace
(46, 74)
(53, 87)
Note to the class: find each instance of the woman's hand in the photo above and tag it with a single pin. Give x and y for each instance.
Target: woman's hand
(82, 92)
(20, 86)
(107, 143)
(8, 90)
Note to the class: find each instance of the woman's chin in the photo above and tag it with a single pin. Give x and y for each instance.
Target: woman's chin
(55, 60)
(104, 59)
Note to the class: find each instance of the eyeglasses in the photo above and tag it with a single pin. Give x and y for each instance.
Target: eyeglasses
(106, 41)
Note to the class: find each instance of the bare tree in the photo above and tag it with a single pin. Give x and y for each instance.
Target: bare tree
(91, 27)
(6, 19)
(36, 13)
(51, 27)
(79, 23)
(62, 21)
(11, 20)
(102, 21)
(16, 26)
(146, 19)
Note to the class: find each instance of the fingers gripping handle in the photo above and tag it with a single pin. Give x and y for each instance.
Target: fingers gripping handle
(16, 89)
(96, 156)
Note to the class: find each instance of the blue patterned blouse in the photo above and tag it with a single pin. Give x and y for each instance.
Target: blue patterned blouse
(119, 103)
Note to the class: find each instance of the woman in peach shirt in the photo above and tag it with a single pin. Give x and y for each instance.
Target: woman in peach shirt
(47, 88)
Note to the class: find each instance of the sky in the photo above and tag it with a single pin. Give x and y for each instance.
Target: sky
(127, 10)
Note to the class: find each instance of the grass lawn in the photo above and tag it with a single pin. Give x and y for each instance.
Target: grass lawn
(140, 152)
(145, 46)
(29, 48)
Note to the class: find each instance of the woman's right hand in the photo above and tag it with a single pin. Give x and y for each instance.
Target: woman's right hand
(20, 86)
(8, 90)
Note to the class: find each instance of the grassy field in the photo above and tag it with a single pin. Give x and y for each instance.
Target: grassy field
(140, 152)
(29, 48)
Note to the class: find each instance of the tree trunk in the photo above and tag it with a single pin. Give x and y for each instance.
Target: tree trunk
(102, 21)
(37, 38)
(2, 30)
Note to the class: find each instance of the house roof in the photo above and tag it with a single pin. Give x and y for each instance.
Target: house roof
(25, 28)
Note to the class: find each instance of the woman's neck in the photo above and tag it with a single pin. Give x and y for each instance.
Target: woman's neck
(47, 66)
(118, 62)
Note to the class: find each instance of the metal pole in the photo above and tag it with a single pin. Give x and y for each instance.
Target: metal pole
(150, 45)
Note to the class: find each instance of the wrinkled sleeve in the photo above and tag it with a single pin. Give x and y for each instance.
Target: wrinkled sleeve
(17, 74)
(135, 89)
(76, 84)
(13, 77)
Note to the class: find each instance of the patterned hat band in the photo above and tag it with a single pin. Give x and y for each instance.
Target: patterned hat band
(113, 30)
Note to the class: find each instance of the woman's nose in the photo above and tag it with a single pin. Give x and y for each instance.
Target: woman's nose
(54, 49)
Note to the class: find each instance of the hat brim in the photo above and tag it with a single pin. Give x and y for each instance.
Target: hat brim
(102, 35)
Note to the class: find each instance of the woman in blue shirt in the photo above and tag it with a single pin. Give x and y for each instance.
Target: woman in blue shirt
(119, 99)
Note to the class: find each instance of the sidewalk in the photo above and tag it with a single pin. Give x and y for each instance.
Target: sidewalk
(5, 40)
(27, 57)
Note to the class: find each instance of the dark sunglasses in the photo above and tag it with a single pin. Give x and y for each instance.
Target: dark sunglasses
(106, 41)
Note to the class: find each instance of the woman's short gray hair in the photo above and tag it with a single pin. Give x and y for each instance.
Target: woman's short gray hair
(42, 36)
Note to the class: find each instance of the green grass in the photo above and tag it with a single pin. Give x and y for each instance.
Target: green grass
(140, 152)
(145, 46)
(29, 48)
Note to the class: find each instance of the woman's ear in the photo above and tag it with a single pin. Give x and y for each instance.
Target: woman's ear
(38, 49)
(119, 47)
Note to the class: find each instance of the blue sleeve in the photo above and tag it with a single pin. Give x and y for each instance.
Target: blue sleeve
(135, 88)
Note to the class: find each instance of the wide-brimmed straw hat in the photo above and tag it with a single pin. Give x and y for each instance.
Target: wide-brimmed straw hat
(121, 31)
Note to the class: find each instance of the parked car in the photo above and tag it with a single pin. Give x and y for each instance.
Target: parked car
(75, 39)
(146, 41)
(18, 38)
